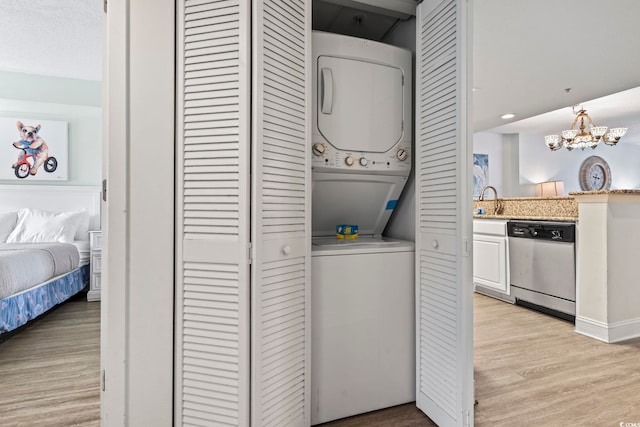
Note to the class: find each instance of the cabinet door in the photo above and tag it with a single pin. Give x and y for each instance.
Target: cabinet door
(281, 215)
(490, 262)
(444, 302)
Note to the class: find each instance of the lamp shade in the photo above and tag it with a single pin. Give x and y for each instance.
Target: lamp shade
(550, 189)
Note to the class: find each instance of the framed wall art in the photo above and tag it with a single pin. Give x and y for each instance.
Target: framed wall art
(33, 149)
(480, 173)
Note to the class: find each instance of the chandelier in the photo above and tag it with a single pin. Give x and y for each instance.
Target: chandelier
(580, 138)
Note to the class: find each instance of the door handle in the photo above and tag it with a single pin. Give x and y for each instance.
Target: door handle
(327, 90)
(286, 250)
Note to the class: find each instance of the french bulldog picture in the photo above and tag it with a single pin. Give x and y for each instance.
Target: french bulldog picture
(32, 144)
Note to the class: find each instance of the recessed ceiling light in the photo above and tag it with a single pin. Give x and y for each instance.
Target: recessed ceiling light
(508, 116)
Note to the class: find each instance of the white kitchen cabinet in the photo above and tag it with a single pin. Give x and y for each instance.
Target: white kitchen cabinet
(490, 256)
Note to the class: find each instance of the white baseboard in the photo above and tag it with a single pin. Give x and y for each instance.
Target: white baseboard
(93, 295)
(625, 330)
(608, 332)
(494, 294)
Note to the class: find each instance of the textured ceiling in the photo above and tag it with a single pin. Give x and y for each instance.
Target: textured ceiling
(52, 37)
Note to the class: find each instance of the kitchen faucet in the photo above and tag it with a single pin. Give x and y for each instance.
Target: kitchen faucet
(497, 208)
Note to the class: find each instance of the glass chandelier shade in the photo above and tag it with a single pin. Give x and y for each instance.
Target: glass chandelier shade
(581, 138)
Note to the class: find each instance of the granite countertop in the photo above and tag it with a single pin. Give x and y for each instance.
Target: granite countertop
(530, 209)
(526, 218)
(588, 193)
(537, 199)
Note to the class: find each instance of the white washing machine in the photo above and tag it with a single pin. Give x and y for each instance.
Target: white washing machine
(363, 292)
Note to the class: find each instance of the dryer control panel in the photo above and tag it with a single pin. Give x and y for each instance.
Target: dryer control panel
(396, 161)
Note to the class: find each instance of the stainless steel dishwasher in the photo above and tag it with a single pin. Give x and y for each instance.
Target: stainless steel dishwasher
(542, 265)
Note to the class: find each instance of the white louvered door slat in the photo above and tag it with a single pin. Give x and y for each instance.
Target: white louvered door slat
(443, 266)
(281, 213)
(212, 369)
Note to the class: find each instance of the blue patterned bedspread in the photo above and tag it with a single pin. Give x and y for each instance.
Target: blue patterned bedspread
(16, 310)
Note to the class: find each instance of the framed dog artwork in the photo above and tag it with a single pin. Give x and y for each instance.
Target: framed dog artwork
(33, 150)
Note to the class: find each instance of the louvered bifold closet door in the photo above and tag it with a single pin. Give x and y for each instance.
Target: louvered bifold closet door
(443, 263)
(281, 213)
(212, 370)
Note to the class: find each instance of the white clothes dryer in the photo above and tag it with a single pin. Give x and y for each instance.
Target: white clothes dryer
(362, 116)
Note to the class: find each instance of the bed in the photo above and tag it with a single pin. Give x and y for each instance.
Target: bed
(44, 248)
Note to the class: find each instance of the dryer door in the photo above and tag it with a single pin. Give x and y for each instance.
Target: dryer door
(360, 104)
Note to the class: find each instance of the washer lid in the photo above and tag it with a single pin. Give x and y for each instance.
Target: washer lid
(365, 244)
(363, 200)
(360, 104)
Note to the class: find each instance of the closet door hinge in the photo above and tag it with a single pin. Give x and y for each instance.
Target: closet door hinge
(105, 6)
(250, 256)
(103, 380)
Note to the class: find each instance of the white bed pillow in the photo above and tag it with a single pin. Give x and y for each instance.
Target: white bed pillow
(40, 226)
(7, 224)
(82, 233)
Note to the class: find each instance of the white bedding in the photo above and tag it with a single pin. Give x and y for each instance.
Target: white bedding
(83, 251)
(23, 265)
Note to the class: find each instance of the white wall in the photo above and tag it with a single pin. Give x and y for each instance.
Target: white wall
(403, 35)
(54, 98)
(401, 225)
(504, 162)
(137, 305)
(510, 165)
(538, 163)
(607, 301)
(519, 161)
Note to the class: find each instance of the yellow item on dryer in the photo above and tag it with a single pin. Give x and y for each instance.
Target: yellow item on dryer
(346, 231)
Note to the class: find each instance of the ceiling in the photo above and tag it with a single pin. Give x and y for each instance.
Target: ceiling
(55, 38)
(621, 109)
(526, 53)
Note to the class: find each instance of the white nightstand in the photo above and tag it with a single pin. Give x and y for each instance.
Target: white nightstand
(95, 278)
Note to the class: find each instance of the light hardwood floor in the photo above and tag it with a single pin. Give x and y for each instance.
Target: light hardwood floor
(530, 370)
(49, 371)
(534, 370)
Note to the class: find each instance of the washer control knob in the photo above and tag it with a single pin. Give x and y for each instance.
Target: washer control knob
(363, 161)
(349, 161)
(318, 149)
(402, 154)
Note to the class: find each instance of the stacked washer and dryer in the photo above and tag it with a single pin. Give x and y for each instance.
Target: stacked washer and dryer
(363, 303)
